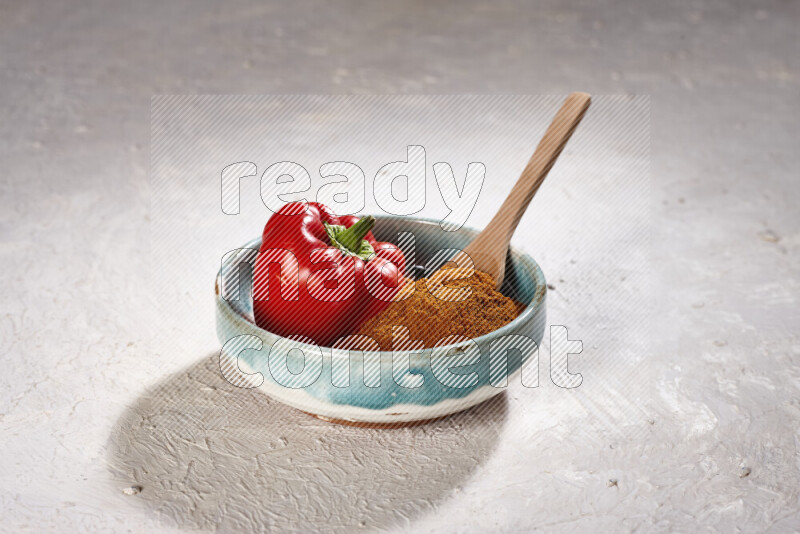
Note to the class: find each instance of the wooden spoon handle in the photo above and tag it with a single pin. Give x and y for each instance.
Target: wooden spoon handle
(495, 238)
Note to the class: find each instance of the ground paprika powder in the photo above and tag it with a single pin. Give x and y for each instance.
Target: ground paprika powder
(430, 319)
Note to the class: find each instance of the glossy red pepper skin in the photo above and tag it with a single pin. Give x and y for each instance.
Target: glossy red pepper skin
(392, 254)
(330, 299)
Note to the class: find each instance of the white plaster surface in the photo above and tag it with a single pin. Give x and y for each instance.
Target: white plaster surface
(90, 411)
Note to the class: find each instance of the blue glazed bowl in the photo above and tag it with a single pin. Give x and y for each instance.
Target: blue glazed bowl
(380, 388)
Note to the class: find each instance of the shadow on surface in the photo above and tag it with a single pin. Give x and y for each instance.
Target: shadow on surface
(214, 457)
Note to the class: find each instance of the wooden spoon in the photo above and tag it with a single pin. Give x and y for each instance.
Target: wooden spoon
(488, 250)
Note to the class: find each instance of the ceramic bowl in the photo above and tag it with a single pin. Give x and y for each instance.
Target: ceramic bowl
(381, 390)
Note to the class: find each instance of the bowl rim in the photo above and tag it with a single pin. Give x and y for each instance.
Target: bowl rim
(533, 307)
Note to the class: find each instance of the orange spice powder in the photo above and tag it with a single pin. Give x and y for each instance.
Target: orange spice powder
(430, 319)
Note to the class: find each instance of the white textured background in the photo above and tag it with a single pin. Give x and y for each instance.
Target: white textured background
(87, 405)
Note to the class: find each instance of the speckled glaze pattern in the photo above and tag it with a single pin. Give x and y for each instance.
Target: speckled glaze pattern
(405, 393)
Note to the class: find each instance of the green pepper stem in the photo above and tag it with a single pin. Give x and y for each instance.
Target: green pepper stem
(352, 237)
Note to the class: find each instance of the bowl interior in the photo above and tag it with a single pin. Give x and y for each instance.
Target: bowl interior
(426, 246)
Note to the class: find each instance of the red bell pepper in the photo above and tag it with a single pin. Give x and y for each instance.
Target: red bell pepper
(320, 276)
